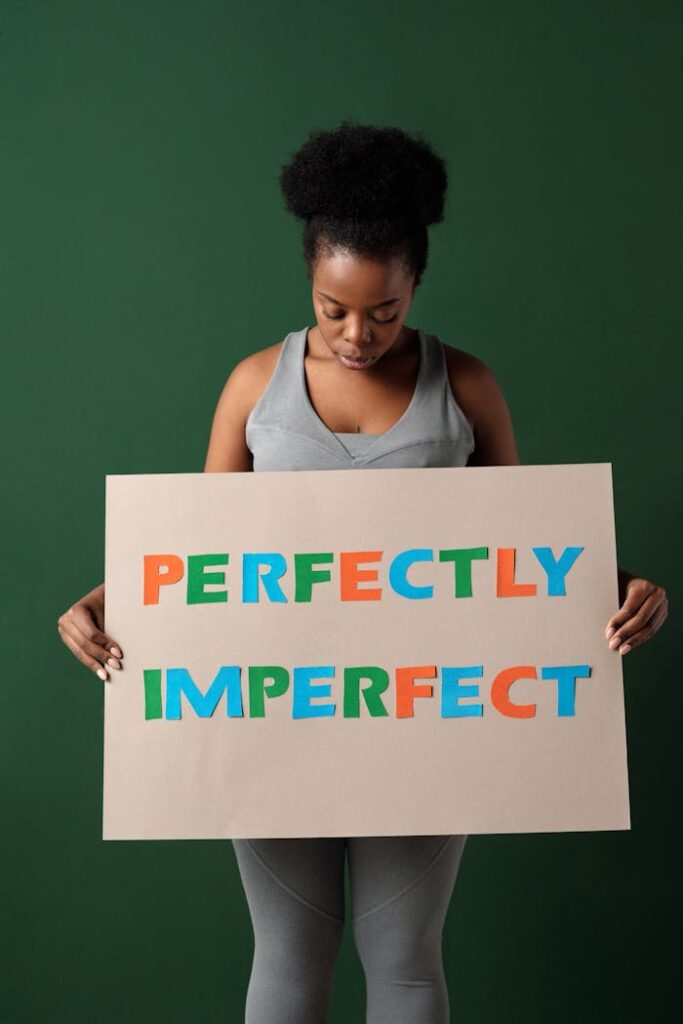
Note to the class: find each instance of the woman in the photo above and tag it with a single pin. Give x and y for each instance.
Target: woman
(358, 390)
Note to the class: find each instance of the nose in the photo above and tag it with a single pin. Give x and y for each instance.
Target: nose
(358, 334)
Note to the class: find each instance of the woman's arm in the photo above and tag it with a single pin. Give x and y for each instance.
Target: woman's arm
(81, 627)
(227, 451)
(480, 397)
(644, 605)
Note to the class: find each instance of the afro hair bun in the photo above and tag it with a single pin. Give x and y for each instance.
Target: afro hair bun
(365, 172)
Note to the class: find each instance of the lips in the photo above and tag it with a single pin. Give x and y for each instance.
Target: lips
(359, 360)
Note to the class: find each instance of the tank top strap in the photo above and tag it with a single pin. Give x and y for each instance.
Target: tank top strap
(434, 412)
(430, 379)
(281, 401)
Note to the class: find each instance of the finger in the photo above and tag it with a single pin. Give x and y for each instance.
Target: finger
(627, 611)
(88, 646)
(635, 622)
(639, 621)
(96, 609)
(83, 657)
(81, 617)
(646, 632)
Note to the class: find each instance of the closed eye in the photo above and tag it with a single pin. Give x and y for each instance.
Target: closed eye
(340, 316)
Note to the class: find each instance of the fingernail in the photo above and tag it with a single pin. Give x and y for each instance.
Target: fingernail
(115, 651)
(113, 662)
(614, 642)
(102, 674)
(609, 632)
(625, 649)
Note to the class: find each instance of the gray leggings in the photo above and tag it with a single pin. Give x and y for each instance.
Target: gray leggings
(400, 891)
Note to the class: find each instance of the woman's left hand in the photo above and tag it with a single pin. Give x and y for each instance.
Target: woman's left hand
(644, 609)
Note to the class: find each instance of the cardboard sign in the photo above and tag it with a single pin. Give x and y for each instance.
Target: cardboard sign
(386, 652)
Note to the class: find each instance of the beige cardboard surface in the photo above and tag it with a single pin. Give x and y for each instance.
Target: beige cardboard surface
(277, 776)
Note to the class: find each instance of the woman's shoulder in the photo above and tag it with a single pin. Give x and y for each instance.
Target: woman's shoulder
(251, 375)
(260, 362)
(464, 364)
(473, 383)
(241, 391)
(245, 384)
(481, 398)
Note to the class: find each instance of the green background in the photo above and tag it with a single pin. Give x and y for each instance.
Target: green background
(145, 250)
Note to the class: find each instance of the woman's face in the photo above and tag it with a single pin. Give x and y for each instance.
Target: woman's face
(360, 306)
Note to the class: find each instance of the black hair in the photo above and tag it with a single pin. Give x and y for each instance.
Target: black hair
(365, 189)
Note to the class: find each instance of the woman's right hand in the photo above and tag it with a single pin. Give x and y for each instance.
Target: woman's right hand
(81, 628)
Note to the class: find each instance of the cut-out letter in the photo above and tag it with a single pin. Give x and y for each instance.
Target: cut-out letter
(506, 586)
(500, 689)
(556, 569)
(398, 571)
(179, 681)
(379, 681)
(305, 691)
(258, 689)
(350, 576)
(462, 559)
(306, 575)
(566, 676)
(197, 579)
(154, 578)
(407, 689)
(152, 680)
(277, 567)
(452, 691)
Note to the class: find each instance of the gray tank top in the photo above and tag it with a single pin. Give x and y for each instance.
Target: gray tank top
(284, 432)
